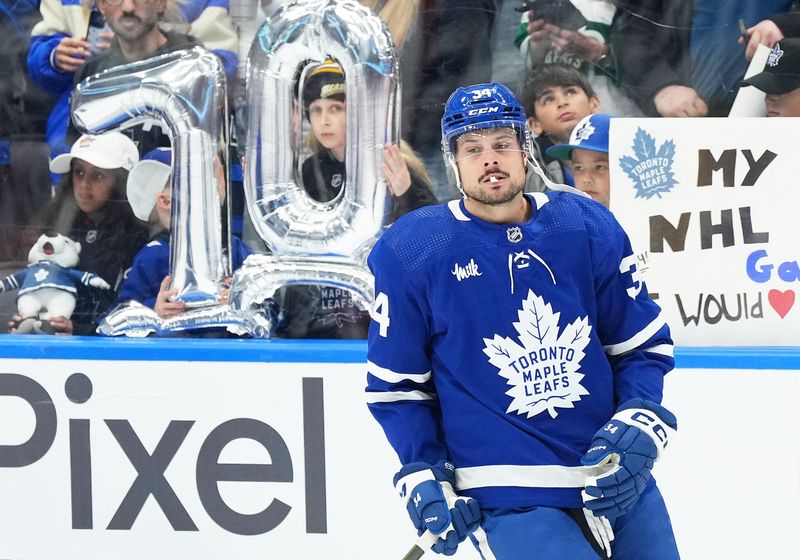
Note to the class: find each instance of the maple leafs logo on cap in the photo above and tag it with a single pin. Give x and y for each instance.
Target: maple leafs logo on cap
(543, 369)
(584, 132)
(775, 55)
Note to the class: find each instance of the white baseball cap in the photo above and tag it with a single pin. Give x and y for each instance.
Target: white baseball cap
(147, 179)
(111, 150)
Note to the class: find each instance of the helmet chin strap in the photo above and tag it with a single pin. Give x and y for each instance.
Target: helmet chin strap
(533, 163)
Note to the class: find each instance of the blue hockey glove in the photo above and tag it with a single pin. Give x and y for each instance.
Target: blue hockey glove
(629, 444)
(432, 504)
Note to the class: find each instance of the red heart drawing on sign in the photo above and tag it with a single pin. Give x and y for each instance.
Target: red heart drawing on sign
(781, 302)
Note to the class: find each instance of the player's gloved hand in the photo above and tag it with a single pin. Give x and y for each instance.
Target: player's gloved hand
(629, 444)
(433, 505)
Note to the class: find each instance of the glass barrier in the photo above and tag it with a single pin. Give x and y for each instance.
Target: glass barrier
(563, 60)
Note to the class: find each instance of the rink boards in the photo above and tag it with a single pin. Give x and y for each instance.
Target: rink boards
(246, 449)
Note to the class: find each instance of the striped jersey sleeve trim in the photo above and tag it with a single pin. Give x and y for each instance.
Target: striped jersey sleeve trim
(397, 396)
(525, 476)
(636, 340)
(396, 377)
(663, 349)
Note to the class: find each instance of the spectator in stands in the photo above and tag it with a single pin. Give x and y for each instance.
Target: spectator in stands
(91, 208)
(59, 46)
(578, 36)
(587, 152)
(321, 311)
(717, 64)
(150, 196)
(24, 184)
(650, 40)
(556, 97)
(442, 44)
(780, 80)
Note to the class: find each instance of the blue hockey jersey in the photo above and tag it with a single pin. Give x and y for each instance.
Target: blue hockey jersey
(151, 264)
(504, 348)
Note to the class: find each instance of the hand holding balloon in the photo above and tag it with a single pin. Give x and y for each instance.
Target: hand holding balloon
(164, 306)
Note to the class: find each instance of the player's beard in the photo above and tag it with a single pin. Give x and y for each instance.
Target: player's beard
(497, 198)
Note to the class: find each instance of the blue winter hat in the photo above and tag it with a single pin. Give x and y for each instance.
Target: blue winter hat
(591, 133)
(147, 179)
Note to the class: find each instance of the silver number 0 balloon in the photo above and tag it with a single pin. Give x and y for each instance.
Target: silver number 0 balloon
(313, 242)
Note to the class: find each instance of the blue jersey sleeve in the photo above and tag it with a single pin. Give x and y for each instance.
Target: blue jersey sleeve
(40, 66)
(632, 329)
(143, 280)
(400, 388)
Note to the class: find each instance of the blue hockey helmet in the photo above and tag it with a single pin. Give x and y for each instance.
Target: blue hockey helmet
(482, 106)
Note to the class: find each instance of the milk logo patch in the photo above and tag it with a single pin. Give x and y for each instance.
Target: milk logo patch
(775, 55)
(543, 366)
(650, 168)
(467, 271)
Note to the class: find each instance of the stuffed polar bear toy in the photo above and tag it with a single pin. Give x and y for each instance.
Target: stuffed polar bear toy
(49, 285)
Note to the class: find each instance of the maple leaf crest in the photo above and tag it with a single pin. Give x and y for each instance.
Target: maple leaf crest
(543, 369)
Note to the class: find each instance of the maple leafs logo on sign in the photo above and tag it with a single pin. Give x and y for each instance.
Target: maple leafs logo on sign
(543, 369)
(651, 169)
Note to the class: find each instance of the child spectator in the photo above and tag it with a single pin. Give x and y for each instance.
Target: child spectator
(555, 98)
(91, 208)
(150, 197)
(577, 35)
(780, 79)
(313, 311)
(587, 152)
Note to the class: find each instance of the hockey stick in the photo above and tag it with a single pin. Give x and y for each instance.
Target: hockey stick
(423, 545)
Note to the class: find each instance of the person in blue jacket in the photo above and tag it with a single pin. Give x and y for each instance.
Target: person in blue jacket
(71, 32)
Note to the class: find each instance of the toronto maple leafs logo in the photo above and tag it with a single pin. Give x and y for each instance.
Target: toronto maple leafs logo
(543, 368)
(584, 132)
(333, 305)
(775, 55)
(651, 169)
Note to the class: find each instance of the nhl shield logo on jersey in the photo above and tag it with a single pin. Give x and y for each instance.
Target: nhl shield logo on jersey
(514, 234)
(543, 369)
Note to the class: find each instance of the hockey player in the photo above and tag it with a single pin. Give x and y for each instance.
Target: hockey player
(516, 361)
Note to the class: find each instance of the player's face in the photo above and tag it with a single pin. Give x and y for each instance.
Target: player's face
(590, 170)
(91, 185)
(131, 20)
(559, 108)
(328, 123)
(491, 165)
(783, 105)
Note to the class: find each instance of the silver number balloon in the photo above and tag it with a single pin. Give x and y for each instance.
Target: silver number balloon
(313, 242)
(185, 91)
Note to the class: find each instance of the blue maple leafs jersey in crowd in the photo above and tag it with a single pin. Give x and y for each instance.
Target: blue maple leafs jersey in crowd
(504, 348)
(151, 264)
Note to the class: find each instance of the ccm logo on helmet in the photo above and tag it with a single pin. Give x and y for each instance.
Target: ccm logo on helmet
(482, 110)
